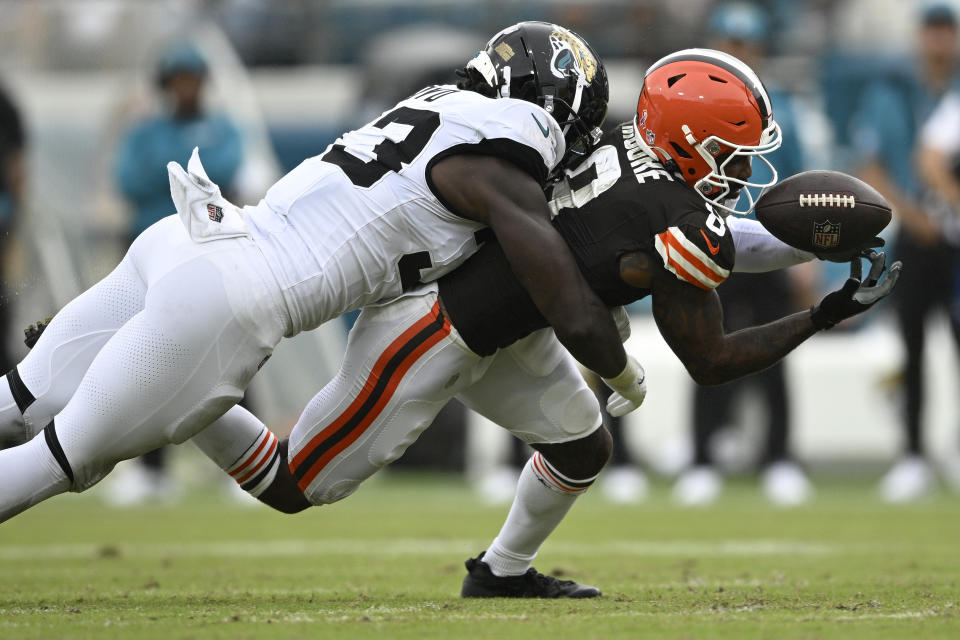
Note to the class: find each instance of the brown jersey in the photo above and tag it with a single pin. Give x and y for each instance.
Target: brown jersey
(618, 200)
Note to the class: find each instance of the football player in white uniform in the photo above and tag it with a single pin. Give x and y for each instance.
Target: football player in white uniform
(642, 217)
(167, 342)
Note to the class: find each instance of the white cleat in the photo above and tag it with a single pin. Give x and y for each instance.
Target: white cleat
(909, 480)
(624, 485)
(786, 485)
(698, 486)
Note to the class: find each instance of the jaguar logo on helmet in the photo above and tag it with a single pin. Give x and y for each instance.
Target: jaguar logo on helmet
(569, 52)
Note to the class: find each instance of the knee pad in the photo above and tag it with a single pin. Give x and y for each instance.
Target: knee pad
(580, 459)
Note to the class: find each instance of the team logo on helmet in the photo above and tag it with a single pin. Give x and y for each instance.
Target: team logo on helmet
(504, 50)
(570, 52)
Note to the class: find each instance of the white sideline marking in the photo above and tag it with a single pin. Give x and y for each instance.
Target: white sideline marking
(413, 546)
(929, 613)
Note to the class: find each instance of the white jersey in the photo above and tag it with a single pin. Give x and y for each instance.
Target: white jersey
(941, 132)
(361, 222)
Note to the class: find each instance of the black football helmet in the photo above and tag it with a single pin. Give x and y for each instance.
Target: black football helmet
(552, 67)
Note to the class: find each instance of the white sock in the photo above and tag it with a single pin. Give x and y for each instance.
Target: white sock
(11, 420)
(29, 474)
(242, 446)
(543, 498)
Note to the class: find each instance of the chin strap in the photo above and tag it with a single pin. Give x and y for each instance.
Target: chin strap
(505, 87)
(705, 187)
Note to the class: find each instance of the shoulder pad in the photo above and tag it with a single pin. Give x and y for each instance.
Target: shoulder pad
(696, 254)
(526, 123)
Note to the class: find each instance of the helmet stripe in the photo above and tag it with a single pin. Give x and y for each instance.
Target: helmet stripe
(729, 63)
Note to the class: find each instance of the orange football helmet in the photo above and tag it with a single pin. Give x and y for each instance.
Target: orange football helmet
(701, 109)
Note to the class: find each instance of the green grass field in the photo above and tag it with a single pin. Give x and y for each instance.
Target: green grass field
(387, 563)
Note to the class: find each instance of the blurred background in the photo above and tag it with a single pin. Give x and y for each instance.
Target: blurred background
(107, 91)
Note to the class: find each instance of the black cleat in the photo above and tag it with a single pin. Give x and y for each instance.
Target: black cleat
(32, 333)
(481, 583)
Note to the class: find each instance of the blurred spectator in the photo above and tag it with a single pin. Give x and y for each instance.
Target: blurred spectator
(938, 157)
(12, 183)
(742, 30)
(884, 134)
(171, 135)
(141, 176)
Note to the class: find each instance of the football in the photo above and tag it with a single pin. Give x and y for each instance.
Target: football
(825, 212)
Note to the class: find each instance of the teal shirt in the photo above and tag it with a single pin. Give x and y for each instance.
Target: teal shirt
(885, 125)
(141, 164)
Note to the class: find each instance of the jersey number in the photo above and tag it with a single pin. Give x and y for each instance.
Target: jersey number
(594, 176)
(410, 264)
(715, 223)
(409, 267)
(403, 133)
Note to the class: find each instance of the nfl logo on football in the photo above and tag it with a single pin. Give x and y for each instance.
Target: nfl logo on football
(826, 234)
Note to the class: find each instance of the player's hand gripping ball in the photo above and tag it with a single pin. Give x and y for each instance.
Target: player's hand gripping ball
(831, 214)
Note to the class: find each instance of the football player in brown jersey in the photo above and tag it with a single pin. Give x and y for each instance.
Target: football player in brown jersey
(645, 214)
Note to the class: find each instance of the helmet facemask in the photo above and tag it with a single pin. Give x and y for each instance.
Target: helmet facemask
(724, 190)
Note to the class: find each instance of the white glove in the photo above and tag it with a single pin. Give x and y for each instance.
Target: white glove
(205, 213)
(630, 388)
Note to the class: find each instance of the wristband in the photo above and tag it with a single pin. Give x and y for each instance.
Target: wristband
(626, 378)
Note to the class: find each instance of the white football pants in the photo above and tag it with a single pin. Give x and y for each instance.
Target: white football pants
(155, 351)
(404, 362)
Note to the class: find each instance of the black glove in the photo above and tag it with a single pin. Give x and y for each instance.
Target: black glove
(856, 296)
(32, 333)
(847, 255)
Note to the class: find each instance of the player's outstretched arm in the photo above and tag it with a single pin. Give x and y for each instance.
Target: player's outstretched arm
(497, 193)
(691, 321)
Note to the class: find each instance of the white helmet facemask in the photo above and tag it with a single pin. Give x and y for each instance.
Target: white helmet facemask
(724, 191)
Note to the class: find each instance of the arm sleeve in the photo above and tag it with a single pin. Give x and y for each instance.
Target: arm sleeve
(758, 251)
